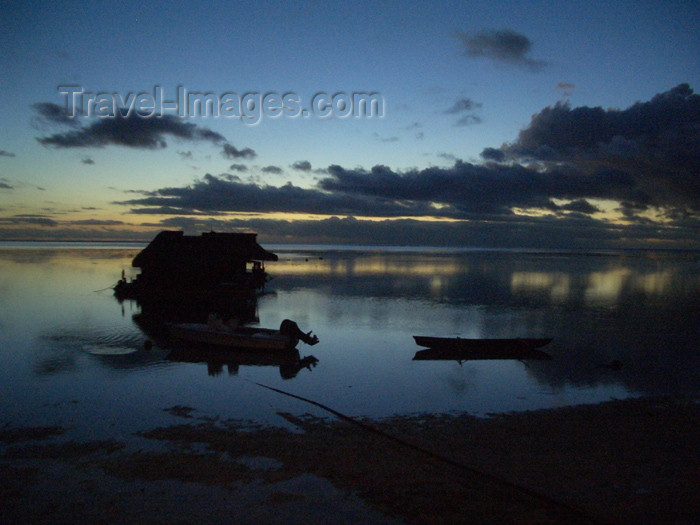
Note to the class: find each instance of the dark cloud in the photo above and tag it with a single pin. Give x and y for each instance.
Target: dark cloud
(96, 222)
(457, 192)
(49, 114)
(505, 46)
(302, 165)
(231, 152)
(666, 117)
(493, 154)
(655, 144)
(217, 195)
(566, 88)
(465, 107)
(462, 105)
(238, 167)
(185, 155)
(578, 206)
(448, 156)
(131, 131)
(631, 209)
(87, 160)
(4, 153)
(170, 210)
(466, 189)
(272, 169)
(36, 220)
(8, 184)
(468, 120)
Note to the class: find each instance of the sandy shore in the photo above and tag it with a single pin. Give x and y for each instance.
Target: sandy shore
(632, 461)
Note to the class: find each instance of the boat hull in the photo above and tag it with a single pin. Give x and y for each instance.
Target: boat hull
(493, 346)
(241, 338)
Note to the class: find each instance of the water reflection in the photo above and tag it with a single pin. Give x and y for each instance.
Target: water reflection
(462, 356)
(485, 278)
(556, 284)
(289, 362)
(162, 307)
(640, 311)
(63, 350)
(603, 287)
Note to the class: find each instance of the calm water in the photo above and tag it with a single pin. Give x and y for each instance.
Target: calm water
(72, 355)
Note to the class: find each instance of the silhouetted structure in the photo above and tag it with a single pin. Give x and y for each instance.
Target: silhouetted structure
(289, 362)
(174, 260)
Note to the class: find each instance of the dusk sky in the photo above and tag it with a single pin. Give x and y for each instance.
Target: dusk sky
(509, 124)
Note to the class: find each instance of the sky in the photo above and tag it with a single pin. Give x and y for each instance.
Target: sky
(485, 124)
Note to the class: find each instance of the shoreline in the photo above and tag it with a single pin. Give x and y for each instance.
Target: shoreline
(632, 460)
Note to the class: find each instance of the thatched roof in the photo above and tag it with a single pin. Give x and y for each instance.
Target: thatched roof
(170, 247)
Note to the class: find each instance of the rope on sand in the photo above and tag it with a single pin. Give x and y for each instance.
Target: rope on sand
(444, 459)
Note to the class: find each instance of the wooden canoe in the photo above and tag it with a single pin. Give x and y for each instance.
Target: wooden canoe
(464, 349)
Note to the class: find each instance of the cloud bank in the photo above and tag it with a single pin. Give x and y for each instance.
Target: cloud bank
(551, 180)
(648, 153)
(574, 176)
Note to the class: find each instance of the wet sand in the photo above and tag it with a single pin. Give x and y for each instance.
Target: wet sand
(631, 461)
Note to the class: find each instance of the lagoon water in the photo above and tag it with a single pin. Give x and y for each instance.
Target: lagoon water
(72, 355)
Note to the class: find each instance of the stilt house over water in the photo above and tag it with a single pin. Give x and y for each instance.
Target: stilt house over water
(174, 259)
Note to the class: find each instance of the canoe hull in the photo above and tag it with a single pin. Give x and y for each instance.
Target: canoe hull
(485, 345)
(458, 349)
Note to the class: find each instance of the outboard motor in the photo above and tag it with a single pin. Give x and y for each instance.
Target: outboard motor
(289, 327)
